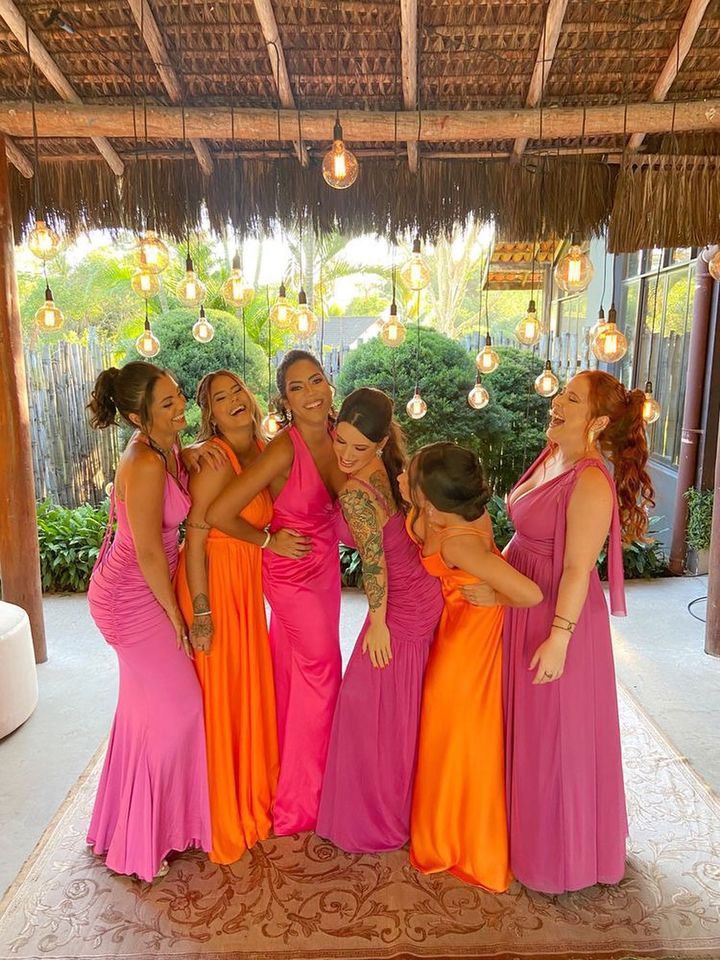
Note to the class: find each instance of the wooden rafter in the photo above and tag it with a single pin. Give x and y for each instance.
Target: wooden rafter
(408, 27)
(675, 60)
(554, 17)
(18, 159)
(268, 24)
(45, 63)
(60, 120)
(153, 39)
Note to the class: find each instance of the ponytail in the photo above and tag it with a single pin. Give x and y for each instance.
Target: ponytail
(103, 412)
(394, 456)
(119, 392)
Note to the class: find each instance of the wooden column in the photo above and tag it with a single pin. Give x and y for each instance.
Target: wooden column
(19, 549)
(712, 625)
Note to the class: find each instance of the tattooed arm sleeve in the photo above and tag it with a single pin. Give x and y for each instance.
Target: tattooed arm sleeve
(364, 523)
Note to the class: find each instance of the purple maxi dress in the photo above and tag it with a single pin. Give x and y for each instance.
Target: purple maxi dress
(367, 790)
(565, 793)
(153, 791)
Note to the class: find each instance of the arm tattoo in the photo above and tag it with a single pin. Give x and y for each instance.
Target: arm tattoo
(201, 603)
(198, 524)
(381, 482)
(362, 518)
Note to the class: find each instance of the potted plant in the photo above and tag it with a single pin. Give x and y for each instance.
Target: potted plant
(700, 507)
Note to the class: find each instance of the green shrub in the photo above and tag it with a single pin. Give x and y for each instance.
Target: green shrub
(503, 528)
(350, 566)
(700, 509)
(69, 544)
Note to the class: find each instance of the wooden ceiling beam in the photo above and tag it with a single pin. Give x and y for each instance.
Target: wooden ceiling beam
(409, 46)
(278, 64)
(18, 159)
(42, 59)
(554, 16)
(153, 40)
(675, 60)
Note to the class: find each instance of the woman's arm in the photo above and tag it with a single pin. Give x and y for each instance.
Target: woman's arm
(204, 488)
(473, 555)
(588, 520)
(361, 513)
(144, 476)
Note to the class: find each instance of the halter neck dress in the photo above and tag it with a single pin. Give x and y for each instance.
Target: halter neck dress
(564, 780)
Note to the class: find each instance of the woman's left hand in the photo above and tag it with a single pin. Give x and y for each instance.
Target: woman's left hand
(204, 453)
(549, 658)
(479, 594)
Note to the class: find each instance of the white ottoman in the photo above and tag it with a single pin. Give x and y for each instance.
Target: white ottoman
(18, 677)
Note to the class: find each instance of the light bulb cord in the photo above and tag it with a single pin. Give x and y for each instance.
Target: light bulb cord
(417, 347)
(36, 145)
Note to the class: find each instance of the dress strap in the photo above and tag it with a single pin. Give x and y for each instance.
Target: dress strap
(232, 456)
(460, 530)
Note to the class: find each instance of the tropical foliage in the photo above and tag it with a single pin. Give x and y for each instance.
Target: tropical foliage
(69, 544)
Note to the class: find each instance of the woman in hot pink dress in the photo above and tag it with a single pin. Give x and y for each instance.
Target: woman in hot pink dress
(153, 792)
(566, 801)
(301, 577)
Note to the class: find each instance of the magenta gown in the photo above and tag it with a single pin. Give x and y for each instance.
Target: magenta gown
(304, 598)
(367, 790)
(153, 792)
(565, 793)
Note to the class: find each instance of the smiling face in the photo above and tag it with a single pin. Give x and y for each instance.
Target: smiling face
(308, 394)
(166, 411)
(571, 420)
(353, 449)
(230, 404)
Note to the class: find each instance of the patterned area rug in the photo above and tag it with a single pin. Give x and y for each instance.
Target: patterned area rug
(299, 897)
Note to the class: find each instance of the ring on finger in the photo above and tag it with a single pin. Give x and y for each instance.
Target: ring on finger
(548, 675)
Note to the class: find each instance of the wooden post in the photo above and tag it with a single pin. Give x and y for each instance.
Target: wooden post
(712, 622)
(19, 548)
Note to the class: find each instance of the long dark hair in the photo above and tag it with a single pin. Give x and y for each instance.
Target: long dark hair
(371, 412)
(291, 357)
(452, 479)
(118, 392)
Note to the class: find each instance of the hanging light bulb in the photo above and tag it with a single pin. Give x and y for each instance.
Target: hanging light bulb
(236, 290)
(203, 330)
(416, 406)
(190, 291)
(574, 271)
(528, 330)
(392, 332)
(478, 396)
(145, 283)
(304, 322)
(147, 344)
(651, 408)
(271, 424)
(597, 326)
(487, 361)
(340, 166)
(152, 253)
(415, 272)
(282, 311)
(48, 317)
(610, 344)
(43, 242)
(547, 385)
(714, 265)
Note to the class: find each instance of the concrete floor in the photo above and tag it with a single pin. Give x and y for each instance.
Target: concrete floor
(659, 652)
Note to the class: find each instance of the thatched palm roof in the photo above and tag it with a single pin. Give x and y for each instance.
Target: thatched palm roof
(421, 66)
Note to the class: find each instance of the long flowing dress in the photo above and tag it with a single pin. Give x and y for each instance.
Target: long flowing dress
(459, 819)
(237, 686)
(153, 792)
(304, 598)
(367, 790)
(565, 793)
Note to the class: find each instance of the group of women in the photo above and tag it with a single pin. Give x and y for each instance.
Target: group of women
(477, 716)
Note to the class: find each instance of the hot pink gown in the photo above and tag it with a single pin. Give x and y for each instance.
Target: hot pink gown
(153, 791)
(304, 597)
(565, 794)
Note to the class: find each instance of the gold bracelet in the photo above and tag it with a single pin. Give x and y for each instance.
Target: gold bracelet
(569, 625)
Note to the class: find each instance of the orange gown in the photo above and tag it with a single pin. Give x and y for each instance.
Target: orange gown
(458, 820)
(237, 686)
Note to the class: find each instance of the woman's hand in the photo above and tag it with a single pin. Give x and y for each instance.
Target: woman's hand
(549, 658)
(479, 594)
(377, 643)
(201, 634)
(290, 543)
(204, 453)
(181, 634)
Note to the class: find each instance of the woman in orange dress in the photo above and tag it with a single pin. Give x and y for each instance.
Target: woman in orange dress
(459, 821)
(219, 589)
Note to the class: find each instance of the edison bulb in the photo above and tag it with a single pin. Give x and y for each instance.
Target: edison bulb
(416, 407)
(271, 424)
(145, 284)
(340, 166)
(547, 384)
(49, 318)
(236, 290)
(415, 272)
(714, 265)
(190, 291)
(282, 311)
(528, 330)
(609, 344)
(392, 332)
(153, 254)
(43, 242)
(651, 408)
(147, 344)
(574, 271)
(203, 330)
(487, 361)
(304, 320)
(478, 397)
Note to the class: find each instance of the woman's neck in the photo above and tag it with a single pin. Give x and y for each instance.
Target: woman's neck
(241, 440)
(161, 440)
(569, 453)
(312, 433)
(441, 520)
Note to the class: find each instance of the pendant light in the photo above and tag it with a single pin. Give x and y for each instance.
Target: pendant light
(547, 384)
(478, 397)
(651, 409)
(147, 344)
(610, 344)
(203, 330)
(271, 423)
(340, 166)
(42, 240)
(416, 406)
(487, 360)
(415, 272)
(714, 265)
(392, 332)
(304, 321)
(145, 283)
(48, 318)
(236, 290)
(282, 311)
(574, 271)
(529, 330)
(152, 254)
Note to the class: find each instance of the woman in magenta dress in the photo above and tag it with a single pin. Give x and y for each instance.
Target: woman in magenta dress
(153, 792)
(565, 794)
(301, 578)
(367, 790)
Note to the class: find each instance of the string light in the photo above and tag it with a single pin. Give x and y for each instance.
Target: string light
(203, 330)
(415, 272)
(49, 318)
